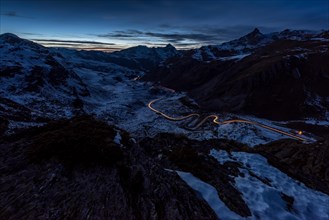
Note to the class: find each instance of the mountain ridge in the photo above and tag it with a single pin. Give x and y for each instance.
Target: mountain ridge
(231, 78)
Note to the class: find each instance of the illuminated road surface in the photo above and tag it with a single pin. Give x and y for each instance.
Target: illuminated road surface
(215, 120)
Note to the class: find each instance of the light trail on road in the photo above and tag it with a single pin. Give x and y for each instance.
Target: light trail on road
(215, 120)
(167, 116)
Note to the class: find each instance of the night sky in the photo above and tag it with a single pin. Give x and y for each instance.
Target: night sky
(116, 24)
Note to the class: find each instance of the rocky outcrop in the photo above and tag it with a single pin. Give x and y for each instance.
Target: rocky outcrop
(307, 163)
(11, 110)
(35, 83)
(3, 125)
(83, 168)
(180, 153)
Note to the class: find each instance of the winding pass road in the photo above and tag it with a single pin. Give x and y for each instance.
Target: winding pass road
(215, 120)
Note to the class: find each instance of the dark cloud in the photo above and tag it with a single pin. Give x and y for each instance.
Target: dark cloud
(72, 41)
(185, 44)
(14, 14)
(123, 34)
(130, 31)
(115, 35)
(176, 38)
(31, 34)
(165, 26)
(78, 44)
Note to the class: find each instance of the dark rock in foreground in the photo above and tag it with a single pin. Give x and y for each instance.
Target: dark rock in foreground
(83, 168)
(180, 153)
(75, 170)
(307, 163)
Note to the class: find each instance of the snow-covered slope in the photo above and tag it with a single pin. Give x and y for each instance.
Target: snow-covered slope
(267, 191)
(31, 76)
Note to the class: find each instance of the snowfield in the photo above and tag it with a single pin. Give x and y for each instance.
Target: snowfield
(264, 199)
(209, 194)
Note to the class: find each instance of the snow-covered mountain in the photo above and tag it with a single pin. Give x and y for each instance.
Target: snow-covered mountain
(153, 53)
(146, 57)
(244, 46)
(279, 76)
(42, 81)
(140, 58)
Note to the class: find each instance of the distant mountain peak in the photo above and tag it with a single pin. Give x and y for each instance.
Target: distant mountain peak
(255, 32)
(286, 30)
(9, 36)
(170, 46)
(139, 46)
(12, 39)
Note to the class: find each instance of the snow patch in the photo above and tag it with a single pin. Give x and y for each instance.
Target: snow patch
(197, 55)
(210, 195)
(117, 138)
(264, 200)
